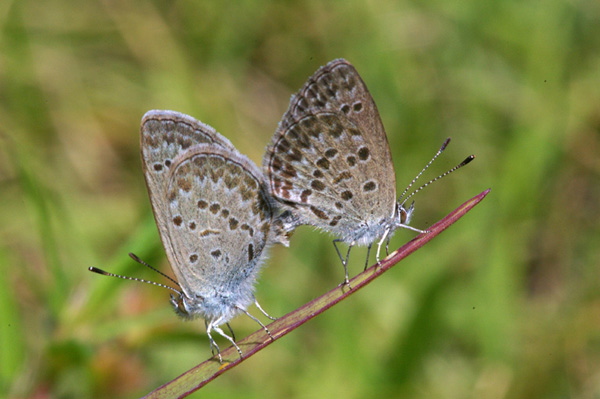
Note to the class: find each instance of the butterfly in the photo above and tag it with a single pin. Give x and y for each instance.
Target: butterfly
(329, 162)
(214, 214)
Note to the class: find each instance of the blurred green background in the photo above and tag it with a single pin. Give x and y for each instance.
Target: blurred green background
(505, 304)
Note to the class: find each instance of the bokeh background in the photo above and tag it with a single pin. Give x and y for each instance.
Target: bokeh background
(505, 304)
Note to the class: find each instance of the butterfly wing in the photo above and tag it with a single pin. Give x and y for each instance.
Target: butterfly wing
(218, 219)
(329, 158)
(163, 136)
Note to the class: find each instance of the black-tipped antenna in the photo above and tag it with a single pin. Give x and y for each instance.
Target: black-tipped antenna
(442, 148)
(141, 262)
(460, 165)
(134, 257)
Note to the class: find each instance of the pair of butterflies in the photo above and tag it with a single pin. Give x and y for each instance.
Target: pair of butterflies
(328, 165)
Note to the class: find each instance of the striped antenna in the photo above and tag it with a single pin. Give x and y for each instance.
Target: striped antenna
(134, 257)
(442, 148)
(460, 165)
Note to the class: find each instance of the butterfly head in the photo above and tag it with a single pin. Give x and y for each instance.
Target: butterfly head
(212, 306)
(403, 215)
(185, 307)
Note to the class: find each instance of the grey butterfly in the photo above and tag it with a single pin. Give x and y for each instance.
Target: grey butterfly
(329, 161)
(214, 215)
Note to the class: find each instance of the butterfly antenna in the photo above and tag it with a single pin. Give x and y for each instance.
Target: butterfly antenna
(141, 262)
(442, 148)
(460, 165)
(134, 257)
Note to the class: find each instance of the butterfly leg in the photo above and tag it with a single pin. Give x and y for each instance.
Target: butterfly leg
(263, 311)
(368, 253)
(214, 325)
(385, 235)
(344, 261)
(387, 246)
(231, 331)
(213, 344)
(405, 226)
(256, 320)
(210, 340)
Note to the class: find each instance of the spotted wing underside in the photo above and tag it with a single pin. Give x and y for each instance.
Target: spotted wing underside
(218, 219)
(330, 159)
(163, 136)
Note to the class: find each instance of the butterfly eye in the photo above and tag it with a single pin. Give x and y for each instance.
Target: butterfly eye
(403, 216)
(179, 306)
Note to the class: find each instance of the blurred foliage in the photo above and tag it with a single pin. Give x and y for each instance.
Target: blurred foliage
(505, 304)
